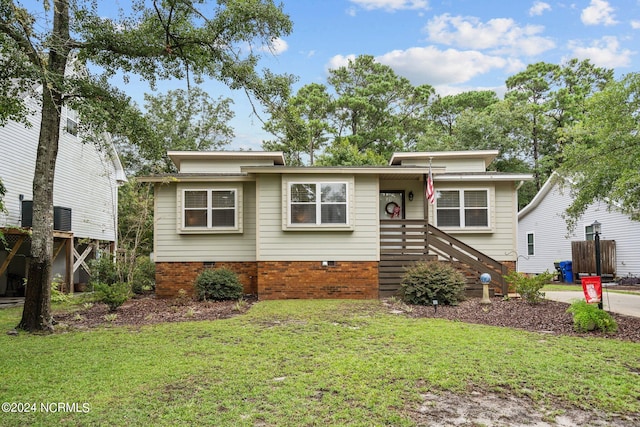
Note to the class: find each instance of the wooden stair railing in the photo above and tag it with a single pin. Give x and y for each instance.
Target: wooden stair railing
(404, 242)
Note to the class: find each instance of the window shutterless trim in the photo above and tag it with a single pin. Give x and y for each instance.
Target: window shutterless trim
(462, 209)
(316, 221)
(183, 228)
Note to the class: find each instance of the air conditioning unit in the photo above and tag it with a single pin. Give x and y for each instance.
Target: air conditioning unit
(61, 216)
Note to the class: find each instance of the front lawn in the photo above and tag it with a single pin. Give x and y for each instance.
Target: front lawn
(304, 363)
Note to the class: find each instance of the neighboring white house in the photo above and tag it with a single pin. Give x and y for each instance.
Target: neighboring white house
(85, 197)
(544, 238)
(330, 232)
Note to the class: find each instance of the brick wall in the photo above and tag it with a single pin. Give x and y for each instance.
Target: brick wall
(302, 279)
(173, 276)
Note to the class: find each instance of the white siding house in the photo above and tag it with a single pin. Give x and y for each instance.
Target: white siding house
(85, 188)
(544, 237)
(316, 232)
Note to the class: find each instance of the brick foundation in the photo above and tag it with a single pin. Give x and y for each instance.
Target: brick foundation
(310, 279)
(173, 276)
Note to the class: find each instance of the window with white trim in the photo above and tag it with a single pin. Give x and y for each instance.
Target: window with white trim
(531, 244)
(462, 208)
(72, 127)
(589, 233)
(210, 209)
(318, 203)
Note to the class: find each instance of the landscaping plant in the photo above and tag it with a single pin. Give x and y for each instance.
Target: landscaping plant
(143, 275)
(588, 317)
(425, 282)
(218, 285)
(113, 295)
(529, 286)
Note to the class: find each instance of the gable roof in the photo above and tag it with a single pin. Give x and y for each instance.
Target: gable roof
(539, 197)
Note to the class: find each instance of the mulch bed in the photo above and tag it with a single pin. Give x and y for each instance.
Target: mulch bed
(546, 317)
(149, 310)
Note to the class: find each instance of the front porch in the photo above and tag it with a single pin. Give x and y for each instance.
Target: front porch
(403, 242)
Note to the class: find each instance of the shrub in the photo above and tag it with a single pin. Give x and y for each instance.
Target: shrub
(103, 270)
(219, 284)
(56, 294)
(529, 286)
(113, 295)
(425, 282)
(144, 274)
(588, 317)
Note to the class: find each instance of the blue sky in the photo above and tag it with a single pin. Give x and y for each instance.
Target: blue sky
(453, 45)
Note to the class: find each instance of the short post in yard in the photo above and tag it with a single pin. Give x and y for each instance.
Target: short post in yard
(596, 230)
(485, 279)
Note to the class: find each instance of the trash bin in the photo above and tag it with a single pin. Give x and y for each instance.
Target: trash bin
(567, 271)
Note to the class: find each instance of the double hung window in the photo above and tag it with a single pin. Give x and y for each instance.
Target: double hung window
(210, 209)
(463, 208)
(318, 203)
(530, 244)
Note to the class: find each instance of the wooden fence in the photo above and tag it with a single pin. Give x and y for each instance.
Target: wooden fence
(583, 258)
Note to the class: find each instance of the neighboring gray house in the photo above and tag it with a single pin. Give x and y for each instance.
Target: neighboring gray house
(85, 199)
(330, 232)
(543, 237)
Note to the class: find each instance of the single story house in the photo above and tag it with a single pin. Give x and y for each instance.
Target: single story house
(544, 237)
(330, 232)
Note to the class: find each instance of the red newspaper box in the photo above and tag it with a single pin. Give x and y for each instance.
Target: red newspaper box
(592, 288)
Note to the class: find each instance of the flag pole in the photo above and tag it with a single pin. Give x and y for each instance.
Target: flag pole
(428, 189)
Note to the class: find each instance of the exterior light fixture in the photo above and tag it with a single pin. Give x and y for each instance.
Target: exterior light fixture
(411, 196)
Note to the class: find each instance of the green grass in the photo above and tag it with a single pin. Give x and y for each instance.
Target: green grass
(558, 287)
(291, 363)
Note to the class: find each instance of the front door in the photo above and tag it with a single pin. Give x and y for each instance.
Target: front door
(391, 205)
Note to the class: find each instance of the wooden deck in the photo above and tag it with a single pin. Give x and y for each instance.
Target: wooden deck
(405, 242)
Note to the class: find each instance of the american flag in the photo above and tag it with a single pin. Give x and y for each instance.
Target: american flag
(431, 195)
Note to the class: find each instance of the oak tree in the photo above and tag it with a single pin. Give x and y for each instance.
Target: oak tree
(71, 50)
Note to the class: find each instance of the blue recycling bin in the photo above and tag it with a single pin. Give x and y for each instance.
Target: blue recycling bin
(567, 271)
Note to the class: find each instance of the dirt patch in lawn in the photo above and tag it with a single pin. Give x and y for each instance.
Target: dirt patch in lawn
(444, 409)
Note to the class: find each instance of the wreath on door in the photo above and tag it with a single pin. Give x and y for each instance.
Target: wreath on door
(392, 209)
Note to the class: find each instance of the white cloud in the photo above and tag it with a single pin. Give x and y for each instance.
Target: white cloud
(500, 34)
(278, 46)
(635, 25)
(598, 12)
(430, 65)
(446, 90)
(538, 8)
(339, 61)
(392, 5)
(605, 52)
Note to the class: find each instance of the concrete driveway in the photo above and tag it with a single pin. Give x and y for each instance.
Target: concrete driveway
(614, 302)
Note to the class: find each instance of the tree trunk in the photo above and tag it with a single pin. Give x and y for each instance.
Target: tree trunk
(36, 315)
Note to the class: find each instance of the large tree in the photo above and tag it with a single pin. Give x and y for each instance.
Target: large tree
(548, 98)
(159, 39)
(181, 120)
(603, 155)
(374, 107)
(301, 124)
(364, 114)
